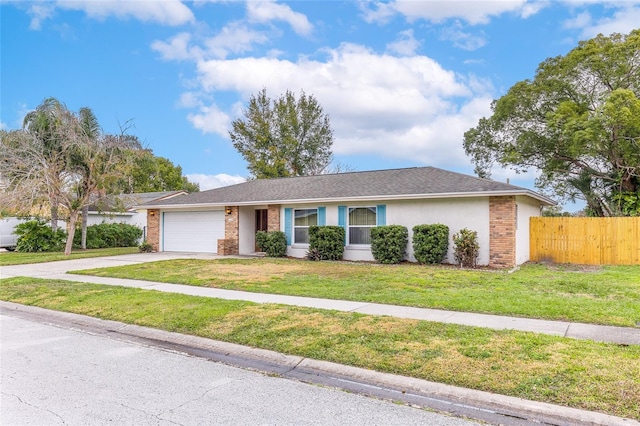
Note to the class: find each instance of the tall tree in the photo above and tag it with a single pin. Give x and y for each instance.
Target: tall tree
(577, 122)
(283, 137)
(86, 165)
(149, 173)
(44, 124)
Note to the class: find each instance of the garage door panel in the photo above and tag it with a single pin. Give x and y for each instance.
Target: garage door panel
(193, 231)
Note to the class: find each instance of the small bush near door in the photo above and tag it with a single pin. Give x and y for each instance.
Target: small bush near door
(467, 248)
(326, 243)
(389, 243)
(430, 243)
(273, 243)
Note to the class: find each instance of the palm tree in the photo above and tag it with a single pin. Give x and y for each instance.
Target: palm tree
(44, 124)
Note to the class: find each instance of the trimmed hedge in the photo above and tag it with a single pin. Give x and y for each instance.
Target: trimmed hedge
(326, 243)
(389, 243)
(37, 236)
(108, 235)
(467, 248)
(273, 243)
(430, 243)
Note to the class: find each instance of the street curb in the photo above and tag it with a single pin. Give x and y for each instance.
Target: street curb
(288, 363)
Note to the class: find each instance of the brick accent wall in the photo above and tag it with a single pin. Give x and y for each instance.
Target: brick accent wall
(273, 218)
(502, 232)
(230, 244)
(153, 229)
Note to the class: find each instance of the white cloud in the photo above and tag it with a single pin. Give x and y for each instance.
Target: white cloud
(214, 181)
(165, 12)
(461, 39)
(3, 126)
(210, 119)
(234, 38)
(623, 21)
(267, 11)
(177, 48)
(39, 12)
(399, 107)
(579, 21)
(377, 11)
(405, 45)
(472, 11)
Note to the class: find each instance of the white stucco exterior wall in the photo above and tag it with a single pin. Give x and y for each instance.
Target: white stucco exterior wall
(456, 213)
(527, 207)
(246, 230)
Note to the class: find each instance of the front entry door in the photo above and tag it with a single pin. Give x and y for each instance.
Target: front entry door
(261, 222)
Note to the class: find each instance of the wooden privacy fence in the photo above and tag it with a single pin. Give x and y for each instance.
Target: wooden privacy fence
(588, 241)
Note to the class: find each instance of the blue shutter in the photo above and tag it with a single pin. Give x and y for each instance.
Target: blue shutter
(381, 215)
(287, 225)
(322, 216)
(342, 220)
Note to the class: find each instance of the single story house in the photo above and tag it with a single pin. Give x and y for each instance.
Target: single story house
(225, 220)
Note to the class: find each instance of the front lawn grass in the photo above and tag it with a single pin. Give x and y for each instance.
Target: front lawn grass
(581, 374)
(598, 295)
(18, 258)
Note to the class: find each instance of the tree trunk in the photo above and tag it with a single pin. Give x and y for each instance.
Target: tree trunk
(73, 219)
(54, 213)
(85, 217)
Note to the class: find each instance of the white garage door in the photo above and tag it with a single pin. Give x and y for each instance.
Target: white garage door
(193, 231)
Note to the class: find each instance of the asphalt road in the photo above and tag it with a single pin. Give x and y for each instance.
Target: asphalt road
(52, 375)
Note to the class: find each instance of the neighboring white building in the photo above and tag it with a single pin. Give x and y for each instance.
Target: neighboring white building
(120, 209)
(225, 220)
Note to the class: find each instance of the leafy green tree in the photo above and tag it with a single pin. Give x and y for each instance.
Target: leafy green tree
(283, 137)
(83, 165)
(577, 122)
(149, 173)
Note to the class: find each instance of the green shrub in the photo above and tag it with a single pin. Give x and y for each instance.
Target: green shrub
(273, 243)
(37, 235)
(145, 247)
(107, 235)
(326, 242)
(430, 243)
(389, 243)
(467, 248)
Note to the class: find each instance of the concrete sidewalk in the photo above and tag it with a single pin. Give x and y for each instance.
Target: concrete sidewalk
(58, 270)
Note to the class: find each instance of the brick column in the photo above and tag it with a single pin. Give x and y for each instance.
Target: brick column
(273, 217)
(230, 244)
(502, 232)
(153, 229)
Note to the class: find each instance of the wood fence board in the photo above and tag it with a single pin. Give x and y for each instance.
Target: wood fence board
(588, 241)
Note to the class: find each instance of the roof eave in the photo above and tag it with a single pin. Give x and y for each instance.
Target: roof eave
(528, 193)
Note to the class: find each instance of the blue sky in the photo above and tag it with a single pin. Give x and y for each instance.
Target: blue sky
(401, 80)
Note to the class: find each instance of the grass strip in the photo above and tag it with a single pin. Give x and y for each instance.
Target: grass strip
(581, 374)
(596, 295)
(19, 258)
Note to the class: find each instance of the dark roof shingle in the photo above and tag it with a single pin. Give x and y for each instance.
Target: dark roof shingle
(392, 183)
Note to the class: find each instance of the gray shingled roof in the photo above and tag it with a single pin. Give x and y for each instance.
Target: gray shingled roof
(394, 183)
(127, 201)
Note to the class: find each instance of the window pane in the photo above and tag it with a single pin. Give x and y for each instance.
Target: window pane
(306, 217)
(358, 235)
(362, 216)
(301, 236)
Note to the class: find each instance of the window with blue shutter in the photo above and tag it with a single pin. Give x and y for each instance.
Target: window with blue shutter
(381, 216)
(322, 216)
(342, 220)
(288, 225)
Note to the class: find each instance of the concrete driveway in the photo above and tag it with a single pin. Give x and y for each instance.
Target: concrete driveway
(60, 267)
